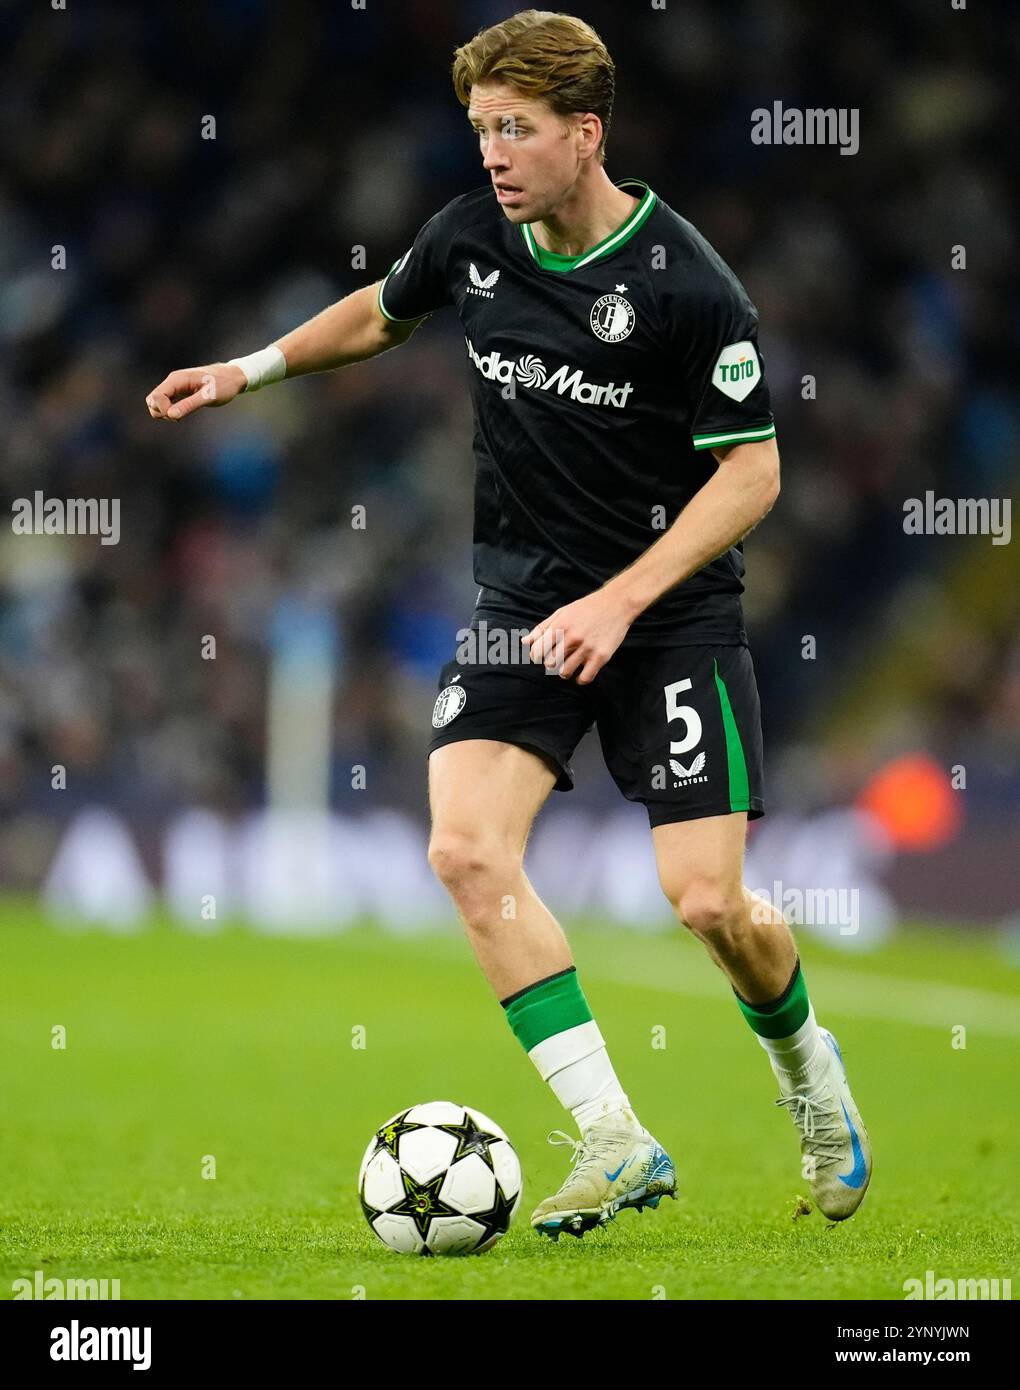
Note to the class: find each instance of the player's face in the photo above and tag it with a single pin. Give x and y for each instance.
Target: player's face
(530, 153)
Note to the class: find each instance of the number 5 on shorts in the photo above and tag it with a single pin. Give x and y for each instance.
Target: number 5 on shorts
(687, 713)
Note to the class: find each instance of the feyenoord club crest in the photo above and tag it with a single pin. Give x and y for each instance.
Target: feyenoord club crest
(612, 318)
(452, 699)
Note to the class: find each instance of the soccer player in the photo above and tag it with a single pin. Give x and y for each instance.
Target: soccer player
(624, 445)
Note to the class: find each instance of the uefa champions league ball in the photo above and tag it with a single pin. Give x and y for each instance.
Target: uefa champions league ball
(440, 1179)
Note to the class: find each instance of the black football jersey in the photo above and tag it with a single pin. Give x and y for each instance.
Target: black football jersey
(600, 385)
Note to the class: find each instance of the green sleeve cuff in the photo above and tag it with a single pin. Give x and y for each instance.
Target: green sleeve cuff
(751, 435)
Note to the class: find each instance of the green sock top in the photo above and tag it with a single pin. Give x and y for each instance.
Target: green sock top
(547, 1007)
(781, 1017)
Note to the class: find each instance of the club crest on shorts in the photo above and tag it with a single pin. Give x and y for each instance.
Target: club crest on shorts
(451, 700)
(612, 318)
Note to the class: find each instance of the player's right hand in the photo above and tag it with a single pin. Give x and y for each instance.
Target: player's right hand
(185, 391)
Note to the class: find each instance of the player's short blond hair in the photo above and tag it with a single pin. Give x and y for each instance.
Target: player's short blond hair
(555, 57)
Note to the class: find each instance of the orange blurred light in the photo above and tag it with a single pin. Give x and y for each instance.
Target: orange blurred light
(913, 800)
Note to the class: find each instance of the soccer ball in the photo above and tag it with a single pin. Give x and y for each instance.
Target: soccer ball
(440, 1179)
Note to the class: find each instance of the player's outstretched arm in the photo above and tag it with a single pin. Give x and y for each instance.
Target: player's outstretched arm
(351, 330)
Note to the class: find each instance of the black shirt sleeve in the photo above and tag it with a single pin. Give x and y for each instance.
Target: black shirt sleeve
(416, 285)
(714, 328)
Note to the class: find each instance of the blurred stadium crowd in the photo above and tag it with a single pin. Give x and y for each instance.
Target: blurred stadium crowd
(337, 129)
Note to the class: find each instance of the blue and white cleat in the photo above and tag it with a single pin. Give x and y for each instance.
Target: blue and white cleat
(833, 1141)
(617, 1164)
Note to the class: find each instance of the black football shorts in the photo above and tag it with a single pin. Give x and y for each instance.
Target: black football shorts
(680, 727)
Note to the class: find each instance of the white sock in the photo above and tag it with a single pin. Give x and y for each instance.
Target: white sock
(577, 1067)
(795, 1053)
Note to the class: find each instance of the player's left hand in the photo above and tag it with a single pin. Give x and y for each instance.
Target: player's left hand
(579, 638)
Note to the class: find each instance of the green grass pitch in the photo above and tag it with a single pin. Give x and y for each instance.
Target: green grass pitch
(240, 1046)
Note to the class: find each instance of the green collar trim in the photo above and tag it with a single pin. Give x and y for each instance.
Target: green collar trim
(552, 260)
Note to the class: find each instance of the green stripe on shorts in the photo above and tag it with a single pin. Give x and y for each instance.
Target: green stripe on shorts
(740, 792)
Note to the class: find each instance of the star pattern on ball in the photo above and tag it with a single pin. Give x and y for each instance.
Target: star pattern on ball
(389, 1136)
(472, 1139)
(421, 1202)
(497, 1219)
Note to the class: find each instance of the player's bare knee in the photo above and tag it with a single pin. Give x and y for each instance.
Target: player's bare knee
(711, 910)
(469, 865)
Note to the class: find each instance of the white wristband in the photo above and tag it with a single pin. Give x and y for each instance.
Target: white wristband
(262, 367)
